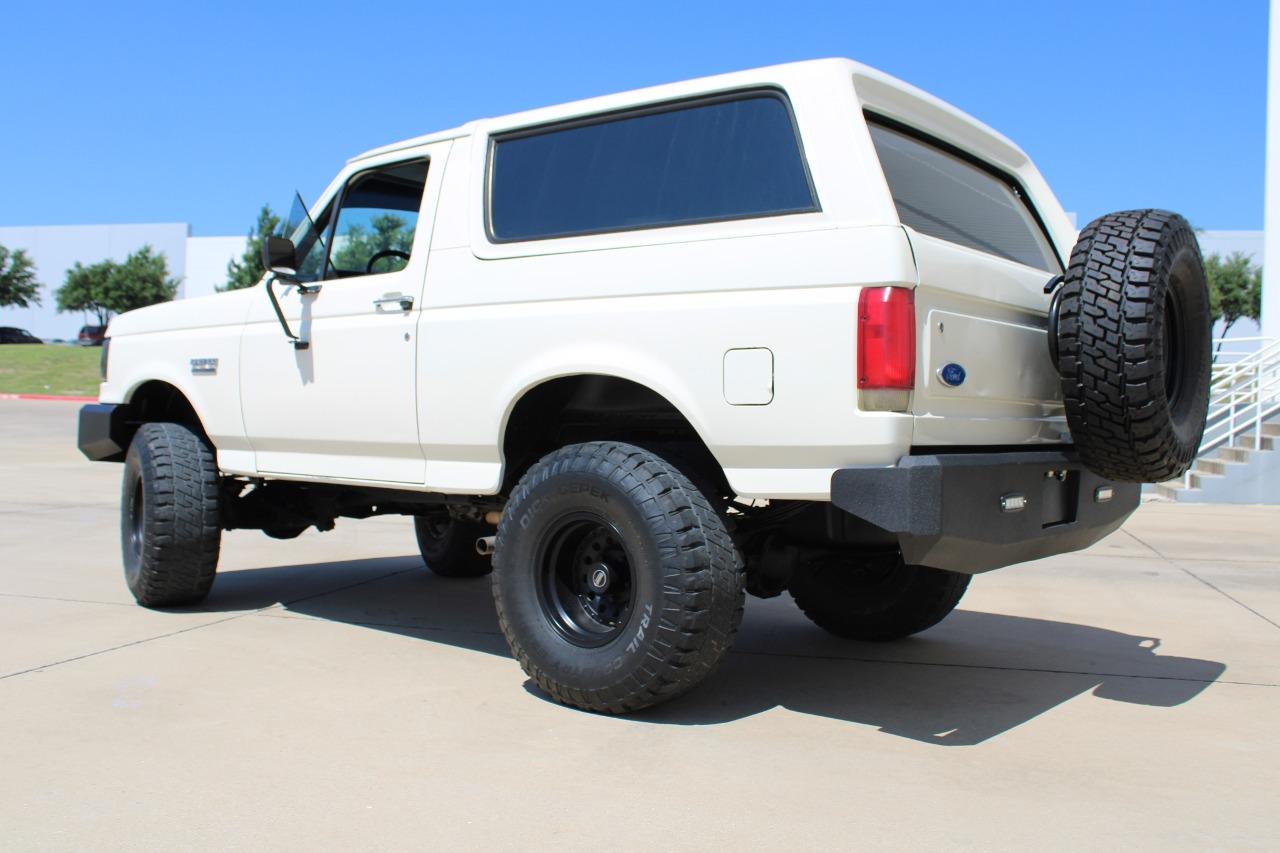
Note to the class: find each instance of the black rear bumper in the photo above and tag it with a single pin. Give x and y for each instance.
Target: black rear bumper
(957, 511)
(102, 432)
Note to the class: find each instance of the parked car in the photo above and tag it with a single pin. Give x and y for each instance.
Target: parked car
(800, 328)
(91, 336)
(14, 335)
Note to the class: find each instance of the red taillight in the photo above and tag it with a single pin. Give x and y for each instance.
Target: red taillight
(886, 338)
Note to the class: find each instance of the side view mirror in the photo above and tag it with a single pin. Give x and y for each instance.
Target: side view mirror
(280, 256)
(281, 260)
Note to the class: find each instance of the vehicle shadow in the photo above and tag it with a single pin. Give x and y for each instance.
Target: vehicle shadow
(972, 678)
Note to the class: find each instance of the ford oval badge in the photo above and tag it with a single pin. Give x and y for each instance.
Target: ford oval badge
(951, 374)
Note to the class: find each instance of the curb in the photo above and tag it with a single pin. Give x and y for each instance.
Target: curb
(59, 398)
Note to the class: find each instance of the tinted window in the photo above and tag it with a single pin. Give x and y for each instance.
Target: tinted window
(723, 160)
(941, 195)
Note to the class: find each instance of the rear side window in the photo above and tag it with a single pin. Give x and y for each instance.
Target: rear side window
(700, 162)
(942, 195)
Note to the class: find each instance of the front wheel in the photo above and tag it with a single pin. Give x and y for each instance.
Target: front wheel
(875, 598)
(617, 585)
(170, 526)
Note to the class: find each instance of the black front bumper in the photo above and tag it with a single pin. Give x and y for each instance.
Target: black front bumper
(955, 511)
(102, 433)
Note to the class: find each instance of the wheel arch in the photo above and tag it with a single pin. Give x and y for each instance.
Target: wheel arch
(157, 400)
(592, 406)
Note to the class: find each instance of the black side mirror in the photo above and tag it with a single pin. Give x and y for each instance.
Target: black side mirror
(281, 259)
(279, 256)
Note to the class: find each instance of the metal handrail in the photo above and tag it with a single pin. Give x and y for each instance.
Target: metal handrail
(1243, 394)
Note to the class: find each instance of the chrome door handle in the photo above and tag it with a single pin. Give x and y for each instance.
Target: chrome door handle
(405, 302)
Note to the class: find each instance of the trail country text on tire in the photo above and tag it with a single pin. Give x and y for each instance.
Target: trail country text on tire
(1133, 345)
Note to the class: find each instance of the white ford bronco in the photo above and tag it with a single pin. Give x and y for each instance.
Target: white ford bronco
(804, 328)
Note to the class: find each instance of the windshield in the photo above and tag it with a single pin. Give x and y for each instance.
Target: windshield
(307, 238)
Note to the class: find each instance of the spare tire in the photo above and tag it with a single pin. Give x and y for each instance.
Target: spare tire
(1131, 333)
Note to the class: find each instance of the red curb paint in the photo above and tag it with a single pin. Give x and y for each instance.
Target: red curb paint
(61, 398)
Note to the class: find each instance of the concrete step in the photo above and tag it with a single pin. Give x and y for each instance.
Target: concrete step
(1169, 491)
(1245, 441)
(1213, 466)
(1238, 455)
(1198, 479)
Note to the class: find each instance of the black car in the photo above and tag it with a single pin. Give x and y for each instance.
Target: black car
(14, 335)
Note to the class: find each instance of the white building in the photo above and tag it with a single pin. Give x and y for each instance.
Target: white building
(199, 263)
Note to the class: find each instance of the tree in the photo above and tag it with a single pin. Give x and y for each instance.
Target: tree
(357, 244)
(108, 288)
(248, 271)
(85, 289)
(1235, 289)
(18, 284)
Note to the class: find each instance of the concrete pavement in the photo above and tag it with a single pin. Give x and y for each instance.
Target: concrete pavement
(332, 693)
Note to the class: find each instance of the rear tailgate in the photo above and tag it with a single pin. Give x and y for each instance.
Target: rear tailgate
(986, 315)
(983, 256)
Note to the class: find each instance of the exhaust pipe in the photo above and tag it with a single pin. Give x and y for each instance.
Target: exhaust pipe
(484, 546)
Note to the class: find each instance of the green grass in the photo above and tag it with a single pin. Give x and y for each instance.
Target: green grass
(49, 369)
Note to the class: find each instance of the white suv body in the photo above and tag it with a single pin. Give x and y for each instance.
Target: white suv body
(746, 326)
(803, 328)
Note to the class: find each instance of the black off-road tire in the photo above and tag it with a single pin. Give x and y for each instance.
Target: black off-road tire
(448, 545)
(877, 599)
(1133, 346)
(670, 559)
(170, 530)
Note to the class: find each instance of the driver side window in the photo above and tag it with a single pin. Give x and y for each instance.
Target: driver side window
(377, 220)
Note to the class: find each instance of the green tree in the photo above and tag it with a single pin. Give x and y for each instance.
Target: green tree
(357, 244)
(248, 271)
(85, 289)
(18, 284)
(1235, 289)
(107, 288)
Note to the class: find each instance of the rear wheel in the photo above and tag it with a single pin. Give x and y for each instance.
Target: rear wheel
(170, 525)
(876, 598)
(448, 545)
(616, 583)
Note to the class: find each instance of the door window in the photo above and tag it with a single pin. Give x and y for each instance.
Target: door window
(377, 220)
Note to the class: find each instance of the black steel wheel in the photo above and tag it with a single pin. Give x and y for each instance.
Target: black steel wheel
(617, 585)
(584, 580)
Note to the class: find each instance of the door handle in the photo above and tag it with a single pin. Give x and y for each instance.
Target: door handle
(405, 302)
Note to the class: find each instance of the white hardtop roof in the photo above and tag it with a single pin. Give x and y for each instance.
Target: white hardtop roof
(786, 75)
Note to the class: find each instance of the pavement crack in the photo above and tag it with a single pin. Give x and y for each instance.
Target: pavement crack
(316, 595)
(1210, 584)
(997, 668)
(124, 646)
(404, 626)
(190, 628)
(67, 600)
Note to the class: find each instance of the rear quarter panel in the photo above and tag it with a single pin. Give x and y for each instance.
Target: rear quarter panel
(661, 307)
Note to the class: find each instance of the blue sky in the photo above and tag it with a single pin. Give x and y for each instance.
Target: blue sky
(200, 112)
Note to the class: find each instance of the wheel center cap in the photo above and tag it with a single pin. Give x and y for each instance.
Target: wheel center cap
(600, 578)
